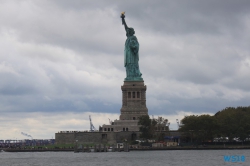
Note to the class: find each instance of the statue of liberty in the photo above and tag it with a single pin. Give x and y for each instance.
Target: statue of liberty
(131, 54)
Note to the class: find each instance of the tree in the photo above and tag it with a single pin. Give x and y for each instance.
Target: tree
(152, 128)
(199, 128)
(147, 127)
(161, 127)
(230, 122)
(234, 122)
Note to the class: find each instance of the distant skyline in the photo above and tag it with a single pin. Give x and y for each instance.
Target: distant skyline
(61, 61)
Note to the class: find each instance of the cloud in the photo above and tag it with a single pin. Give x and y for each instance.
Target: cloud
(42, 125)
(67, 57)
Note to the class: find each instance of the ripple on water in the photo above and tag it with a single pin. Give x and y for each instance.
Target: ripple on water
(133, 158)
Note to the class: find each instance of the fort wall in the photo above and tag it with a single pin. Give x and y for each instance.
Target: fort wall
(95, 137)
(65, 137)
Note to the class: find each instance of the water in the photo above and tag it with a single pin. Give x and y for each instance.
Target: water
(132, 158)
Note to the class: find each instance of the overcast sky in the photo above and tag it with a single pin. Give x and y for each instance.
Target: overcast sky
(62, 60)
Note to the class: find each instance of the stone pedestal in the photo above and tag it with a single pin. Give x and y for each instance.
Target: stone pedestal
(133, 100)
(133, 106)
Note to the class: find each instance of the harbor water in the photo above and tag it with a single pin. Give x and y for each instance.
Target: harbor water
(132, 158)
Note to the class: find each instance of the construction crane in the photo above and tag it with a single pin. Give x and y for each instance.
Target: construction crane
(92, 127)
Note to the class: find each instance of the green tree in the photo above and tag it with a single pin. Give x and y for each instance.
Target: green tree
(199, 128)
(147, 128)
(234, 122)
(230, 122)
(160, 127)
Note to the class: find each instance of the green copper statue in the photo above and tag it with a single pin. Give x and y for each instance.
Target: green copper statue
(131, 54)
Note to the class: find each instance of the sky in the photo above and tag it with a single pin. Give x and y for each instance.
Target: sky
(61, 61)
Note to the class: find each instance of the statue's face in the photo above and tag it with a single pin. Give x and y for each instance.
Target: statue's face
(130, 32)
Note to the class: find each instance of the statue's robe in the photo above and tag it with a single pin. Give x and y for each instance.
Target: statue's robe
(131, 57)
(131, 51)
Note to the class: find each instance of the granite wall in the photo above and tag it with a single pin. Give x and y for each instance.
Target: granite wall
(95, 137)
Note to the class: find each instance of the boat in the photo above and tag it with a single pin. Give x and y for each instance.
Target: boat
(110, 149)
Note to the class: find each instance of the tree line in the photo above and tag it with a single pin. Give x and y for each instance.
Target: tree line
(231, 123)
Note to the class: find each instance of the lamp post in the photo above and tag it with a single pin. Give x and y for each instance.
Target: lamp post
(168, 124)
(76, 149)
(178, 123)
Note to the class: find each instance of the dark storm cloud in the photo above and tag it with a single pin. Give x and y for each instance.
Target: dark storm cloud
(184, 17)
(46, 23)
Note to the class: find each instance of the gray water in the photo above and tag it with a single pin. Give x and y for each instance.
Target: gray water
(132, 158)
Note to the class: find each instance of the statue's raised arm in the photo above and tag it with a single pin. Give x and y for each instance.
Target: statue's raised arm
(123, 20)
